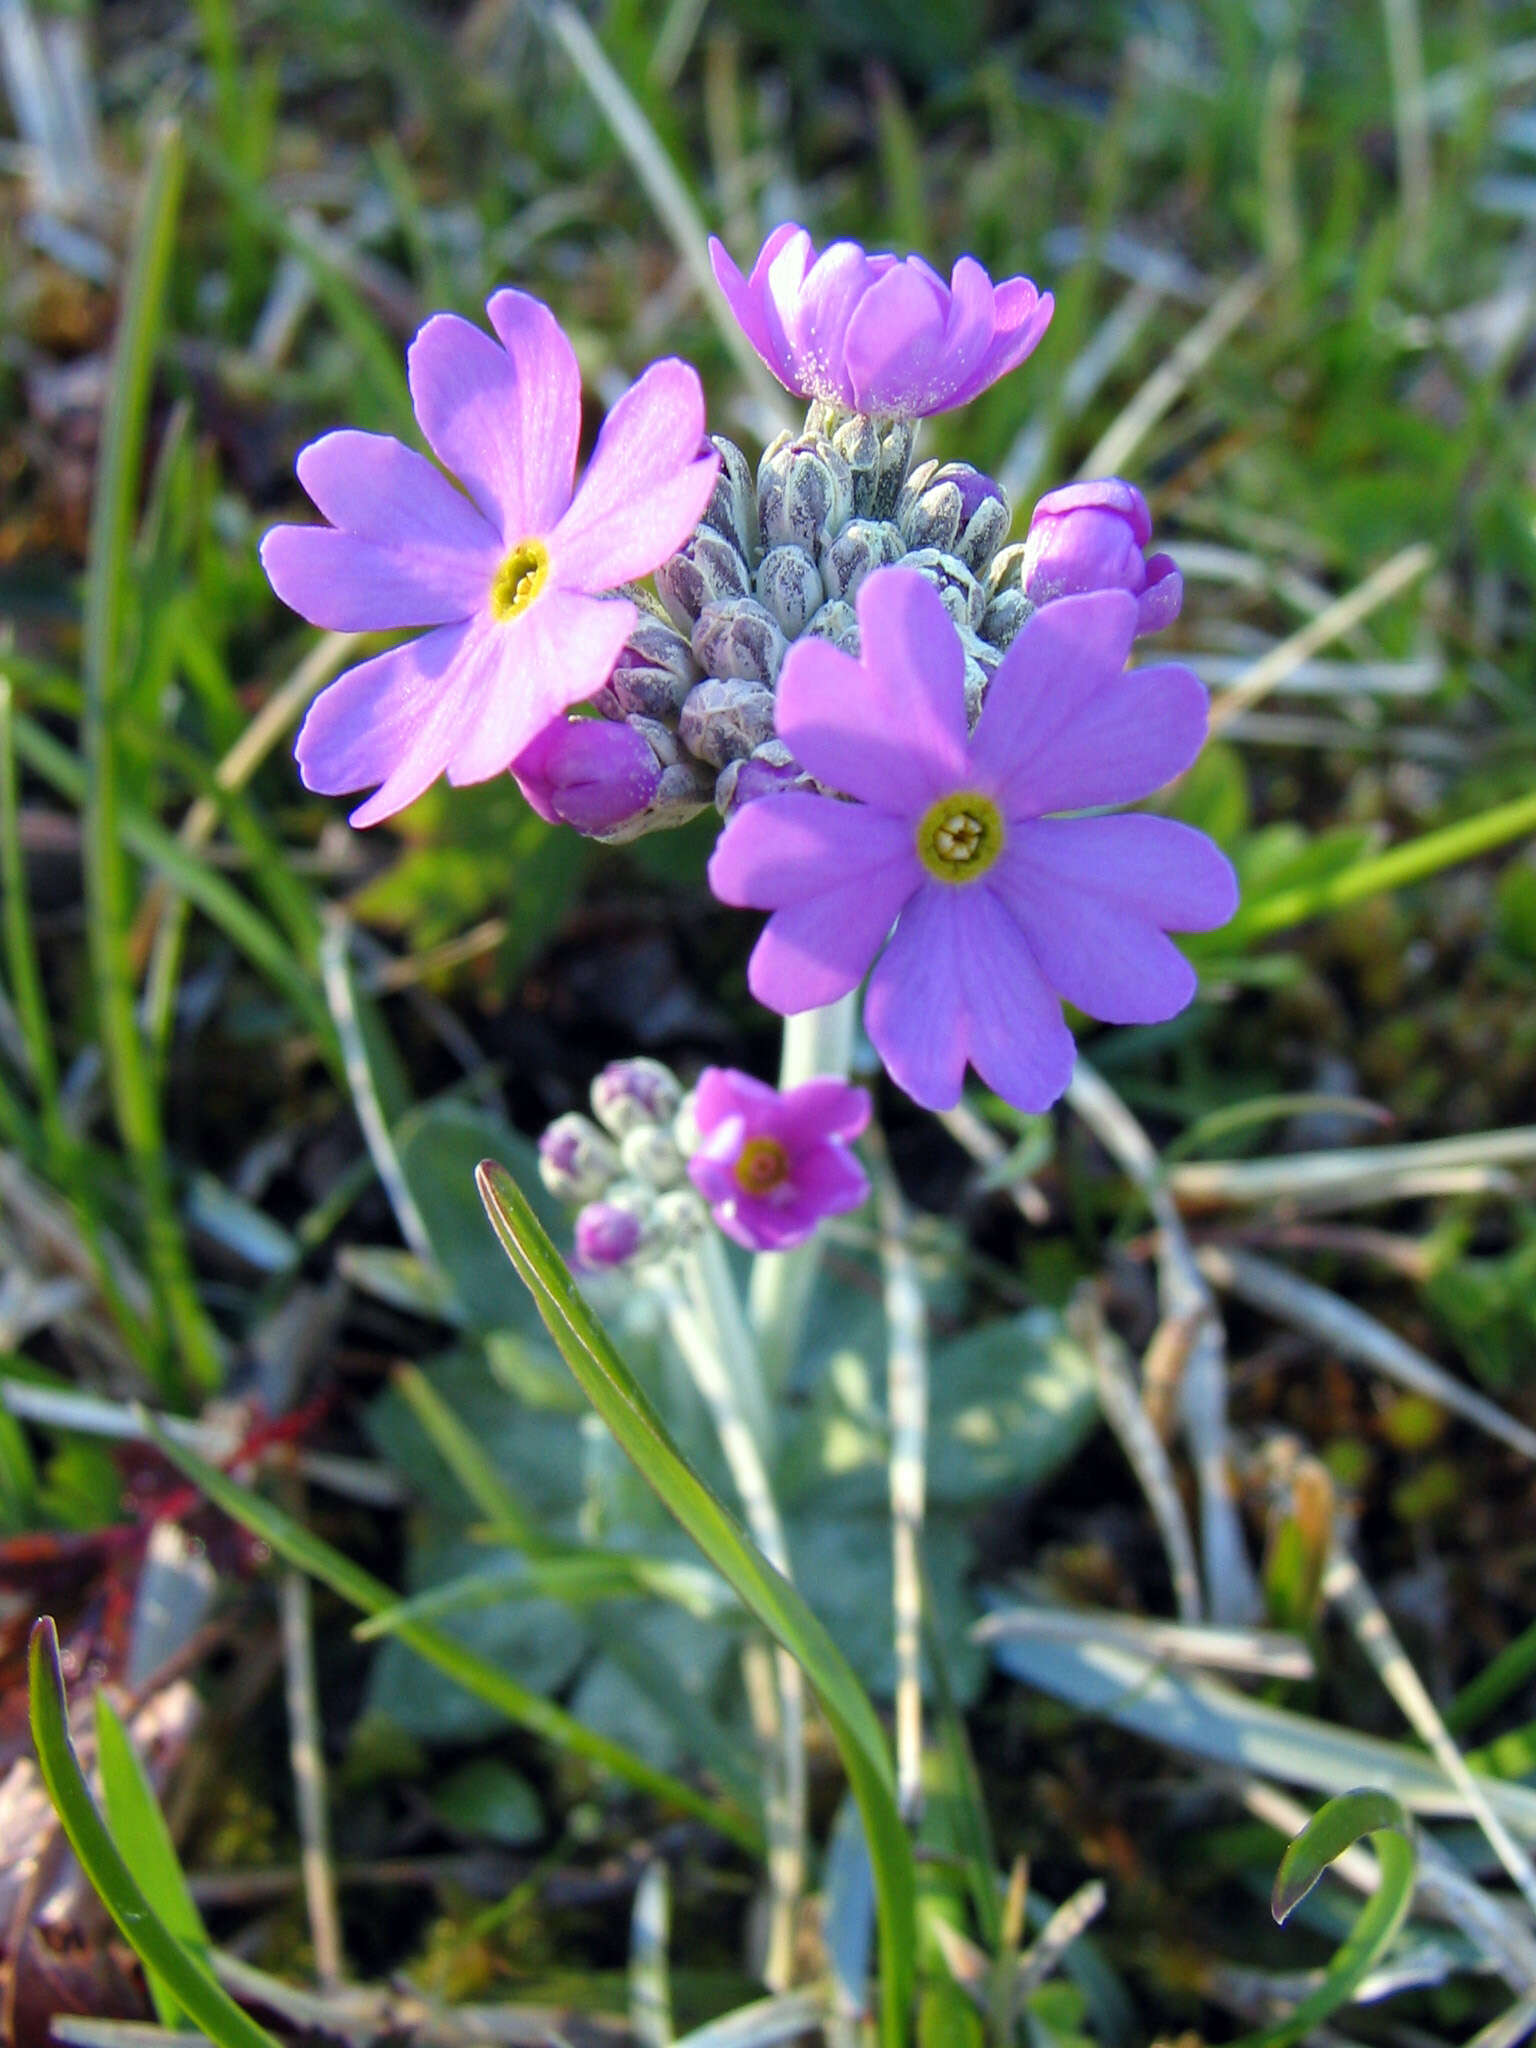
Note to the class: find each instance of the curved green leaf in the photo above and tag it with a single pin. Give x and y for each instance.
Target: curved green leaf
(139, 1829)
(1331, 1830)
(619, 1400)
(204, 2001)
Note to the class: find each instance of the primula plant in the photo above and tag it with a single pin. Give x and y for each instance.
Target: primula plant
(916, 734)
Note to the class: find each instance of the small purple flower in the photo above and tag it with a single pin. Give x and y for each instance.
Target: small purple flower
(1092, 537)
(1000, 906)
(878, 334)
(593, 773)
(771, 1166)
(607, 1235)
(509, 571)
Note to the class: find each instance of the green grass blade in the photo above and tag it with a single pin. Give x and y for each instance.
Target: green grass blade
(162, 1954)
(578, 1578)
(1331, 1830)
(139, 1829)
(619, 1400)
(192, 1340)
(1415, 861)
(299, 1546)
(464, 1455)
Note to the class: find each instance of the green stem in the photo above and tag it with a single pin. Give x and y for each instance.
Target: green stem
(779, 1297)
(1412, 862)
(105, 867)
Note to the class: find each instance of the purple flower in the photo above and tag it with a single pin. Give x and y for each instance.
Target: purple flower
(1000, 907)
(877, 334)
(771, 1166)
(592, 773)
(1091, 537)
(508, 571)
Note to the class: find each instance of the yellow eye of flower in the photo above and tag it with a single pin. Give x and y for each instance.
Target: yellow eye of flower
(763, 1166)
(519, 579)
(960, 836)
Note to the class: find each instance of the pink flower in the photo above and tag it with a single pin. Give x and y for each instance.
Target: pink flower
(877, 334)
(1000, 907)
(1093, 536)
(509, 571)
(771, 1166)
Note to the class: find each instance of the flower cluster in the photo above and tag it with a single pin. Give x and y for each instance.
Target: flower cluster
(923, 708)
(769, 1166)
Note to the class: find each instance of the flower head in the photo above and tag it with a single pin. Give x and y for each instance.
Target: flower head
(1001, 906)
(770, 1165)
(509, 571)
(879, 334)
(1093, 536)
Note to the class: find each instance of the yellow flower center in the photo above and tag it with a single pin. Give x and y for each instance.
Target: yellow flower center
(960, 836)
(519, 579)
(763, 1166)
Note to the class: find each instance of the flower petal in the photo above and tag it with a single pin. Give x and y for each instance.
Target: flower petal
(818, 1109)
(889, 728)
(1165, 872)
(483, 413)
(1065, 728)
(818, 949)
(348, 585)
(813, 314)
(901, 358)
(796, 844)
(915, 1009)
(374, 486)
(646, 486)
(393, 720)
(531, 668)
(1022, 315)
(746, 296)
(1019, 1041)
(829, 1181)
(724, 1093)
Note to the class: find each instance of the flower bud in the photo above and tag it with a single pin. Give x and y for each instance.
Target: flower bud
(650, 1155)
(764, 772)
(725, 718)
(878, 451)
(737, 637)
(653, 674)
(631, 1094)
(705, 567)
(1093, 536)
(576, 1161)
(955, 508)
(588, 773)
(863, 546)
(838, 622)
(732, 509)
(804, 492)
(964, 598)
(789, 586)
(1003, 617)
(611, 1232)
(681, 1218)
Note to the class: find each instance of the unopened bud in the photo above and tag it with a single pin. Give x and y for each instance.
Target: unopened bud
(1003, 617)
(653, 674)
(738, 637)
(767, 771)
(804, 492)
(863, 546)
(681, 1218)
(613, 1231)
(588, 773)
(649, 1154)
(954, 508)
(576, 1161)
(964, 598)
(725, 718)
(1093, 536)
(836, 621)
(878, 451)
(789, 586)
(630, 1094)
(704, 568)
(732, 508)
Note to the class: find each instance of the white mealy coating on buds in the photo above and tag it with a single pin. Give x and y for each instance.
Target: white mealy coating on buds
(955, 508)
(706, 567)
(576, 1160)
(725, 718)
(629, 1095)
(877, 449)
(654, 673)
(863, 546)
(732, 509)
(789, 586)
(739, 637)
(650, 1154)
(804, 492)
(964, 598)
